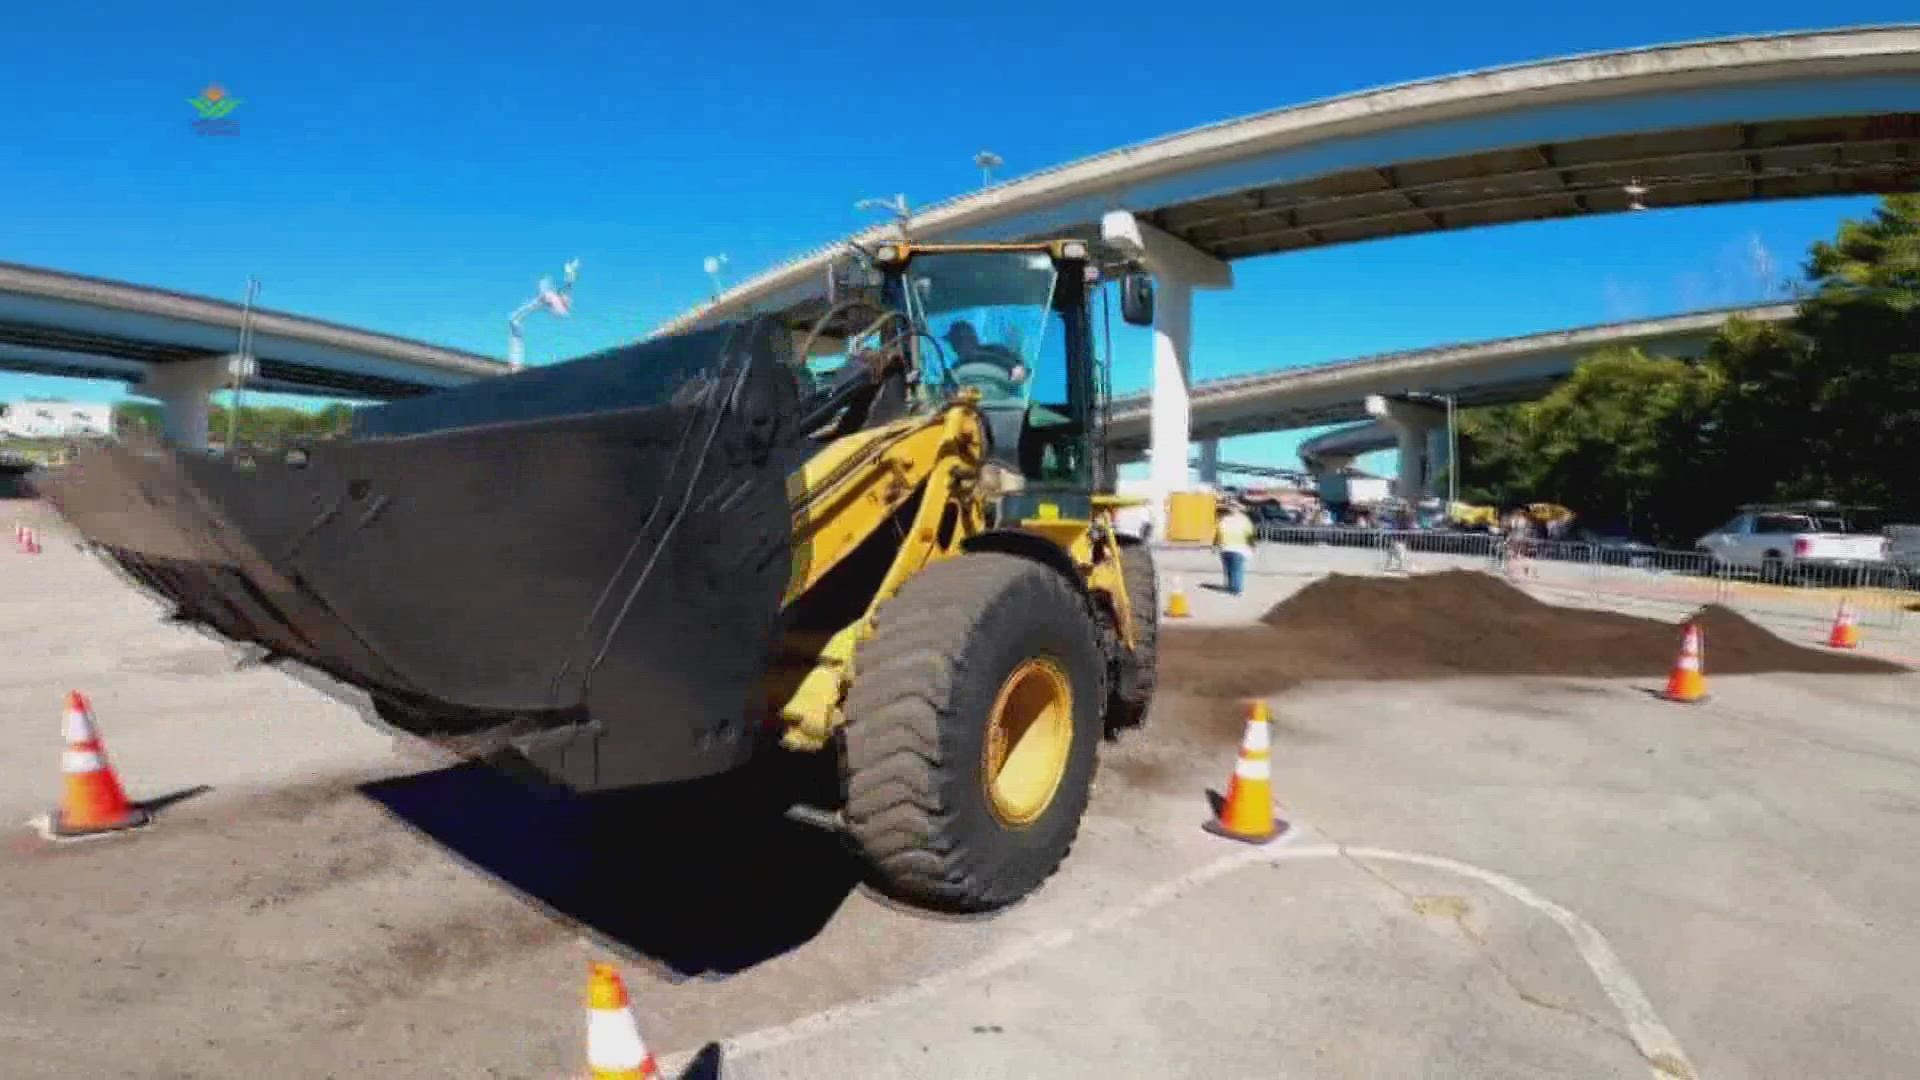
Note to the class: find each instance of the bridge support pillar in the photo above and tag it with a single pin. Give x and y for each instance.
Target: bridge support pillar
(1178, 269)
(1421, 431)
(1210, 461)
(1324, 467)
(184, 389)
(1172, 374)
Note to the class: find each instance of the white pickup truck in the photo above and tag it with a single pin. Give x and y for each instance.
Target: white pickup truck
(1810, 541)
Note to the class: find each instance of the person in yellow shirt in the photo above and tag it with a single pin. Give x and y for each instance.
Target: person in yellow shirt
(1233, 542)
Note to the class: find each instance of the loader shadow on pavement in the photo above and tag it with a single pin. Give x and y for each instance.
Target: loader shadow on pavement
(701, 879)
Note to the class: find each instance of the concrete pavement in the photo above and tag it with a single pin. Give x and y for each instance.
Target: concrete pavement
(1487, 877)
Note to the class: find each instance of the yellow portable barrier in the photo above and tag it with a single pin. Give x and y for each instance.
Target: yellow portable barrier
(1190, 516)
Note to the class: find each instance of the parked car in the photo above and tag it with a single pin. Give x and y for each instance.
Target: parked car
(1801, 542)
(1903, 551)
(1613, 547)
(1273, 514)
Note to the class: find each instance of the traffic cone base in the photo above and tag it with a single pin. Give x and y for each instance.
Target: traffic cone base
(1273, 832)
(92, 800)
(60, 829)
(1681, 699)
(1246, 814)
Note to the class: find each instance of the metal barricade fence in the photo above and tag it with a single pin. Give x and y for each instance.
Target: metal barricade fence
(1439, 542)
(1346, 547)
(1661, 575)
(1878, 595)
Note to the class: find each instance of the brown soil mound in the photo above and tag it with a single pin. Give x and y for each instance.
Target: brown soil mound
(1462, 623)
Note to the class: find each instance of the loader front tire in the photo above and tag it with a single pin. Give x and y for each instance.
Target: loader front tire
(972, 727)
(1138, 669)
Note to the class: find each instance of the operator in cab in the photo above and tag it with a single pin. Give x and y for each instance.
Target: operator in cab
(994, 370)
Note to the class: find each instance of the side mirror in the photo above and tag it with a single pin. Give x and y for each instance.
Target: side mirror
(1136, 299)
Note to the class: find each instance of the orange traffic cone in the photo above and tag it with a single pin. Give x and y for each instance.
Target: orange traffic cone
(1247, 812)
(1686, 684)
(1177, 602)
(1845, 634)
(615, 1050)
(93, 801)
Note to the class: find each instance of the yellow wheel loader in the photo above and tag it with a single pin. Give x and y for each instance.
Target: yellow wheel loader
(869, 526)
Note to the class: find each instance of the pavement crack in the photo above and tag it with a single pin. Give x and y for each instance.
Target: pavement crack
(1456, 913)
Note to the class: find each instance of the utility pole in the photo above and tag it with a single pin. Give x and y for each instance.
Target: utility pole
(559, 301)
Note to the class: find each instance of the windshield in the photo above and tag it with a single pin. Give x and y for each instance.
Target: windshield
(989, 314)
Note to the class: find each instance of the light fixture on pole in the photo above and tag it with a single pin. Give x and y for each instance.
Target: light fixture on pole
(988, 161)
(712, 265)
(559, 301)
(897, 206)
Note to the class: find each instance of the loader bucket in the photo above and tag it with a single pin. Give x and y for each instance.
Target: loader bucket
(579, 566)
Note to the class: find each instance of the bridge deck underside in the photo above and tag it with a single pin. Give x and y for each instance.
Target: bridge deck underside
(1783, 159)
(45, 350)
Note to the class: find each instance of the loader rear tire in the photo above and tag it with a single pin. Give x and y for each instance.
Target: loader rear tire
(946, 814)
(1138, 671)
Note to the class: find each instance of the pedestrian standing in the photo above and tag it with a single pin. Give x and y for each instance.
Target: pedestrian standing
(1233, 542)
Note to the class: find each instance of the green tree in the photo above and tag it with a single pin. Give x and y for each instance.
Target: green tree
(1495, 465)
(1863, 323)
(1605, 442)
(1831, 408)
(131, 417)
(265, 427)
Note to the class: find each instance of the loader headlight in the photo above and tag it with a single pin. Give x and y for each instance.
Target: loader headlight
(1073, 249)
(887, 253)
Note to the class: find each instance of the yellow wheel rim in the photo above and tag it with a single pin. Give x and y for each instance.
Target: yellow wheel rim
(1029, 733)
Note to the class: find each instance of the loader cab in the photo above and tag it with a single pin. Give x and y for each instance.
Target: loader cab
(1010, 323)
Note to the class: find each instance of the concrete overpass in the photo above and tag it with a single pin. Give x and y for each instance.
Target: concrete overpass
(1477, 373)
(179, 348)
(1769, 117)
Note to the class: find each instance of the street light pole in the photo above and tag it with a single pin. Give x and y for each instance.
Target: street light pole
(242, 362)
(988, 161)
(897, 206)
(1453, 443)
(558, 301)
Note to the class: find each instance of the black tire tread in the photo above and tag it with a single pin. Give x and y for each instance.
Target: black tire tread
(1131, 699)
(897, 708)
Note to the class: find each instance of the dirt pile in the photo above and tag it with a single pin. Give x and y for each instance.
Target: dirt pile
(1461, 623)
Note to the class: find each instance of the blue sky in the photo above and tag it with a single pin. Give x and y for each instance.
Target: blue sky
(416, 172)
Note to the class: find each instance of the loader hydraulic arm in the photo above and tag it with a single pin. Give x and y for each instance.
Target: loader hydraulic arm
(846, 495)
